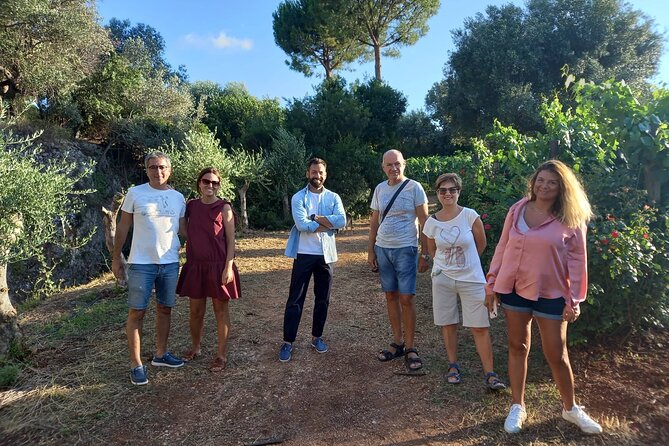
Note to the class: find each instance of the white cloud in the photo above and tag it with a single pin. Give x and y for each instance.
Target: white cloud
(222, 41)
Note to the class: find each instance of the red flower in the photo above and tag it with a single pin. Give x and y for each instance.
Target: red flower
(487, 227)
(484, 216)
(615, 234)
(604, 241)
(646, 236)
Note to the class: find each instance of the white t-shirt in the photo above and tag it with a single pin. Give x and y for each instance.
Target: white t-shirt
(456, 254)
(310, 242)
(400, 227)
(155, 215)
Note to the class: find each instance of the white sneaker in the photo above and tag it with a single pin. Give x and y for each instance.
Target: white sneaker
(577, 416)
(514, 421)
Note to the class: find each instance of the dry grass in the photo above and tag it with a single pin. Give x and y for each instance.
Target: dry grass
(76, 389)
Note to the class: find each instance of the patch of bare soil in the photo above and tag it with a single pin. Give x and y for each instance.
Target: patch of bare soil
(77, 390)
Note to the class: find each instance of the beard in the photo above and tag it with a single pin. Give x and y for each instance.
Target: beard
(316, 182)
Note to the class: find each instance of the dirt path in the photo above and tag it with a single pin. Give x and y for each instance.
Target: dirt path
(77, 391)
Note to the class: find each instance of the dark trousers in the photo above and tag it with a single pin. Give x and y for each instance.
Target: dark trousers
(303, 267)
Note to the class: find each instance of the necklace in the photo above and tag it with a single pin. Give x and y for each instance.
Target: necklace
(536, 210)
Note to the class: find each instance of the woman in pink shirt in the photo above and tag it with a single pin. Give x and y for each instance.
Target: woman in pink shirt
(539, 271)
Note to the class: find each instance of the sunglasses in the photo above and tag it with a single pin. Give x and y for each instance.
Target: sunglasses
(207, 182)
(450, 190)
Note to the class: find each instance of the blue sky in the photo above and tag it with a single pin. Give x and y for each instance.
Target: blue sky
(232, 41)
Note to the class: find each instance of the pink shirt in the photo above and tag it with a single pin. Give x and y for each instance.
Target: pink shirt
(548, 261)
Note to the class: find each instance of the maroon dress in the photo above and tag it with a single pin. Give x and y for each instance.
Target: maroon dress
(206, 253)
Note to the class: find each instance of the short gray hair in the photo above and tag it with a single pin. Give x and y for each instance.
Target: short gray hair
(156, 154)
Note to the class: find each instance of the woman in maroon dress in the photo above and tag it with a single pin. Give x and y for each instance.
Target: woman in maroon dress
(209, 270)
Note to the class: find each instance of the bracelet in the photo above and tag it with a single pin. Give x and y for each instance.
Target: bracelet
(425, 257)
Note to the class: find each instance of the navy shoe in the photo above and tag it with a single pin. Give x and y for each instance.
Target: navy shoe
(319, 345)
(493, 382)
(167, 360)
(138, 375)
(286, 352)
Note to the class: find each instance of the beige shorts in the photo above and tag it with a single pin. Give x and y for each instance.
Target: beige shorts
(445, 292)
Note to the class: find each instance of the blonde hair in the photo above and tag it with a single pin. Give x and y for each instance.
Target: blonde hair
(572, 207)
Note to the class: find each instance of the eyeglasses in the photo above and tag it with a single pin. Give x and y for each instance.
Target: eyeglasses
(207, 182)
(160, 167)
(450, 190)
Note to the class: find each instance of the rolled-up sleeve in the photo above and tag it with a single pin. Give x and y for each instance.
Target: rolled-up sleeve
(338, 217)
(302, 221)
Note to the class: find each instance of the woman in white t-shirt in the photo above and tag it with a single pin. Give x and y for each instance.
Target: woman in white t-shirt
(456, 238)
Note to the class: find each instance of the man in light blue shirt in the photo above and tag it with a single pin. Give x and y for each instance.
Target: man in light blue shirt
(317, 213)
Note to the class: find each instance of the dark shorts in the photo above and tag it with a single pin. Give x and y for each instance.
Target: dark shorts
(546, 308)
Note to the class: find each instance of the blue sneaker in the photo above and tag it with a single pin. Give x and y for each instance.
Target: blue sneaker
(286, 352)
(319, 345)
(167, 360)
(138, 375)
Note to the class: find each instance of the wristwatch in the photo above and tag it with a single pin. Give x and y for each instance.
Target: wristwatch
(313, 217)
(425, 257)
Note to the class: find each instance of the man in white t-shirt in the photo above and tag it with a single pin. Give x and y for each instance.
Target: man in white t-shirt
(156, 212)
(317, 213)
(393, 252)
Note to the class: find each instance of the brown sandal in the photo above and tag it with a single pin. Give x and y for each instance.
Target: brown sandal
(189, 356)
(218, 365)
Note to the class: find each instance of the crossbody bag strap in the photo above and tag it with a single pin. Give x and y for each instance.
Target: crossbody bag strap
(392, 200)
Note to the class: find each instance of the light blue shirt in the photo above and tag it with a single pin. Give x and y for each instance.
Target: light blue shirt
(330, 207)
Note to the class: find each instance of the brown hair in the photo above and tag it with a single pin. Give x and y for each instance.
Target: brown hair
(203, 172)
(445, 177)
(316, 160)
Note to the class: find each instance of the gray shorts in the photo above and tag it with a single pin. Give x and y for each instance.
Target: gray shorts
(445, 292)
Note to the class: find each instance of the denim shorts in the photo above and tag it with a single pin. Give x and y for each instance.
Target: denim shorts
(546, 308)
(397, 268)
(142, 278)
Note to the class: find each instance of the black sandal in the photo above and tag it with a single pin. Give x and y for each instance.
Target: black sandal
(387, 355)
(412, 364)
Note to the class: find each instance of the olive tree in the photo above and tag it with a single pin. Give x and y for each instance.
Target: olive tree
(46, 46)
(38, 197)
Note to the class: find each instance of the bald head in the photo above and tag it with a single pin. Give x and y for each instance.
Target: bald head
(395, 154)
(393, 166)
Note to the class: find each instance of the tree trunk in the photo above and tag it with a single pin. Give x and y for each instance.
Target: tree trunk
(286, 208)
(652, 184)
(109, 223)
(554, 145)
(9, 327)
(242, 205)
(377, 62)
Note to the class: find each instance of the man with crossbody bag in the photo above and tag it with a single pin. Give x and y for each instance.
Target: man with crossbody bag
(399, 206)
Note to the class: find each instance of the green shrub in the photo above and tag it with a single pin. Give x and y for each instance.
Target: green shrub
(9, 374)
(628, 260)
(268, 219)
